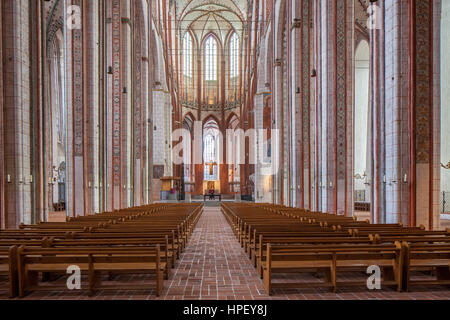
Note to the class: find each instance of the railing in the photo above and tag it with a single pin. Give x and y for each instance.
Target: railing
(211, 107)
(445, 202)
(362, 206)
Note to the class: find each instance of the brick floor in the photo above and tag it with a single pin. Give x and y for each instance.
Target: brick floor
(214, 266)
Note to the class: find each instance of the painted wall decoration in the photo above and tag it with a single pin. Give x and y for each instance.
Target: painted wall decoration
(423, 80)
(116, 54)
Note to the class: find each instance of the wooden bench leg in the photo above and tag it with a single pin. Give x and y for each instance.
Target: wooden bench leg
(12, 287)
(13, 273)
(22, 281)
(333, 281)
(94, 281)
(398, 274)
(93, 276)
(259, 268)
(333, 272)
(329, 277)
(267, 281)
(405, 279)
(253, 259)
(159, 282)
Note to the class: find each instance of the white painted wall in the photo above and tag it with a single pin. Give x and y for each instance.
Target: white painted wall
(445, 94)
(361, 111)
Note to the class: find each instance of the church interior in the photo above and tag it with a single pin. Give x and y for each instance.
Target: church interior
(224, 149)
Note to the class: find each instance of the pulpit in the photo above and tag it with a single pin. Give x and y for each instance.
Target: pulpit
(170, 188)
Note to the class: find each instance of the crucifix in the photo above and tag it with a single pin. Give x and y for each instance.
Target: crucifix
(211, 167)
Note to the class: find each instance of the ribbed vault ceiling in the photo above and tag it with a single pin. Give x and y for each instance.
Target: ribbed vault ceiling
(203, 17)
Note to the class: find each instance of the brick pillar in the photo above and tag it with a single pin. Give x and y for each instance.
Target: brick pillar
(336, 77)
(301, 49)
(377, 102)
(77, 115)
(17, 112)
(92, 105)
(2, 159)
(117, 102)
(424, 113)
(406, 104)
(138, 107)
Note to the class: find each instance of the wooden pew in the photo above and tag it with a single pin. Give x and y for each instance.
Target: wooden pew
(132, 240)
(277, 225)
(423, 257)
(91, 260)
(8, 268)
(260, 252)
(332, 260)
(166, 251)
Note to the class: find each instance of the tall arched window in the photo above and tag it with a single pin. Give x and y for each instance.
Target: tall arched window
(211, 59)
(210, 156)
(187, 61)
(361, 145)
(211, 146)
(234, 56)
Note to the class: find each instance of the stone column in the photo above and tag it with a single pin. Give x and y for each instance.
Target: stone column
(17, 113)
(159, 139)
(377, 102)
(92, 104)
(301, 49)
(2, 159)
(396, 110)
(336, 78)
(424, 109)
(259, 147)
(117, 86)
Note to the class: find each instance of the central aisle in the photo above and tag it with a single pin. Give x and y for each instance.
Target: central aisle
(213, 265)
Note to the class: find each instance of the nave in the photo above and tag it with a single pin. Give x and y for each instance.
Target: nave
(214, 266)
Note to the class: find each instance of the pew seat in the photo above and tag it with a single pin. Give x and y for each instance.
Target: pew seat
(426, 257)
(8, 268)
(332, 260)
(93, 261)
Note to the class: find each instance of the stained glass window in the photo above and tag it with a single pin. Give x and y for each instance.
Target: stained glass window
(187, 61)
(211, 59)
(234, 56)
